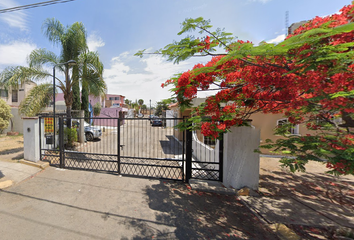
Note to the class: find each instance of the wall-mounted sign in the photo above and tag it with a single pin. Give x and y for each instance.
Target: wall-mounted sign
(48, 125)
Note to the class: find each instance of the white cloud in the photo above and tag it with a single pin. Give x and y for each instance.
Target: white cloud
(278, 39)
(94, 41)
(145, 83)
(15, 19)
(262, 1)
(15, 53)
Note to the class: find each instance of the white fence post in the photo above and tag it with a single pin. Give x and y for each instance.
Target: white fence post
(31, 138)
(241, 163)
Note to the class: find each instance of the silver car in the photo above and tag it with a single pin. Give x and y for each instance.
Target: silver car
(92, 132)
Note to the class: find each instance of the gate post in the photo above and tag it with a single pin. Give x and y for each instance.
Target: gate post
(221, 157)
(118, 145)
(31, 139)
(61, 142)
(188, 155)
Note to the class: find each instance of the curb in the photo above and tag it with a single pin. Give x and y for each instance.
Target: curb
(282, 231)
(6, 184)
(39, 164)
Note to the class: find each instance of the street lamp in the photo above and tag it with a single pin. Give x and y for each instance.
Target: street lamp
(150, 108)
(69, 63)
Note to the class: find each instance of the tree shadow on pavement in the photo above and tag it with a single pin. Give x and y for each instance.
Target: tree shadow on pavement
(200, 215)
(172, 146)
(329, 197)
(11, 151)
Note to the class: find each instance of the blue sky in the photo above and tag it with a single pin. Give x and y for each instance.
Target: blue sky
(117, 29)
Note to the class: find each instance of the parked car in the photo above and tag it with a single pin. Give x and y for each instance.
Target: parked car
(156, 122)
(152, 117)
(91, 132)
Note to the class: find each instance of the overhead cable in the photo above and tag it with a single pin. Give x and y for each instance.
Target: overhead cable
(34, 5)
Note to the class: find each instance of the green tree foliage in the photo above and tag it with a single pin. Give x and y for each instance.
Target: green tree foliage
(76, 90)
(91, 69)
(140, 102)
(128, 102)
(70, 137)
(73, 46)
(97, 109)
(85, 100)
(162, 106)
(38, 98)
(309, 78)
(5, 115)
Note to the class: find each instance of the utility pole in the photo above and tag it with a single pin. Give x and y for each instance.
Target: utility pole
(150, 108)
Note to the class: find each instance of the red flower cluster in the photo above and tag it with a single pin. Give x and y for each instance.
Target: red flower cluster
(341, 167)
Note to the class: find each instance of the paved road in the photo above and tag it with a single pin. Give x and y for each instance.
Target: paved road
(72, 204)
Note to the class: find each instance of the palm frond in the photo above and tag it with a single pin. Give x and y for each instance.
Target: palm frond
(91, 71)
(41, 56)
(54, 30)
(15, 76)
(38, 98)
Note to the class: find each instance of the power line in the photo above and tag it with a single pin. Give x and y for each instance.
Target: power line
(34, 5)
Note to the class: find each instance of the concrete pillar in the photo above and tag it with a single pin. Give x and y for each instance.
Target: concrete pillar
(31, 139)
(82, 127)
(241, 163)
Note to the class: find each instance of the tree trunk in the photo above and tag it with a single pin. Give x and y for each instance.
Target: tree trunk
(85, 101)
(68, 116)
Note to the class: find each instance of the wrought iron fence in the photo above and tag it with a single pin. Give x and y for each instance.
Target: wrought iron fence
(132, 146)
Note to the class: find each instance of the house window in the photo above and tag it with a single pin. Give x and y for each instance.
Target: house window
(116, 98)
(111, 98)
(293, 130)
(4, 93)
(14, 96)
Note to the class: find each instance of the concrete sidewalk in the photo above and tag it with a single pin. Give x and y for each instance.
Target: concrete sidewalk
(15, 171)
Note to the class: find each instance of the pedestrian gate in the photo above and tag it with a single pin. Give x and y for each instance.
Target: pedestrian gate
(129, 146)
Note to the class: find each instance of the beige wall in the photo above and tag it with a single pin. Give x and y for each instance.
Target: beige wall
(267, 123)
(22, 92)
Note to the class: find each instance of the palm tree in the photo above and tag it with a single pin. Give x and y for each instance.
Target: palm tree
(72, 41)
(90, 73)
(141, 102)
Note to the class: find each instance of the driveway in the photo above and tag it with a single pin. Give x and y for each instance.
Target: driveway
(72, 204)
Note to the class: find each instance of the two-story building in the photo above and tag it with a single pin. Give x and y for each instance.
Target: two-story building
(13, 97)
(113, 100)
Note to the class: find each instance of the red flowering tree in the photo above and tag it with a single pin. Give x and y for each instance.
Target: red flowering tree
(309, 77)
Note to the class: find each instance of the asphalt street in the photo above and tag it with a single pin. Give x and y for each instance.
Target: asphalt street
(73, 204)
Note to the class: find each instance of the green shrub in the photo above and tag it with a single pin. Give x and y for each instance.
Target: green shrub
(5, 115)
(71, 136)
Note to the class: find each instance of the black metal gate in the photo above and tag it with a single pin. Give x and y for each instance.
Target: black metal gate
(131, 146)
